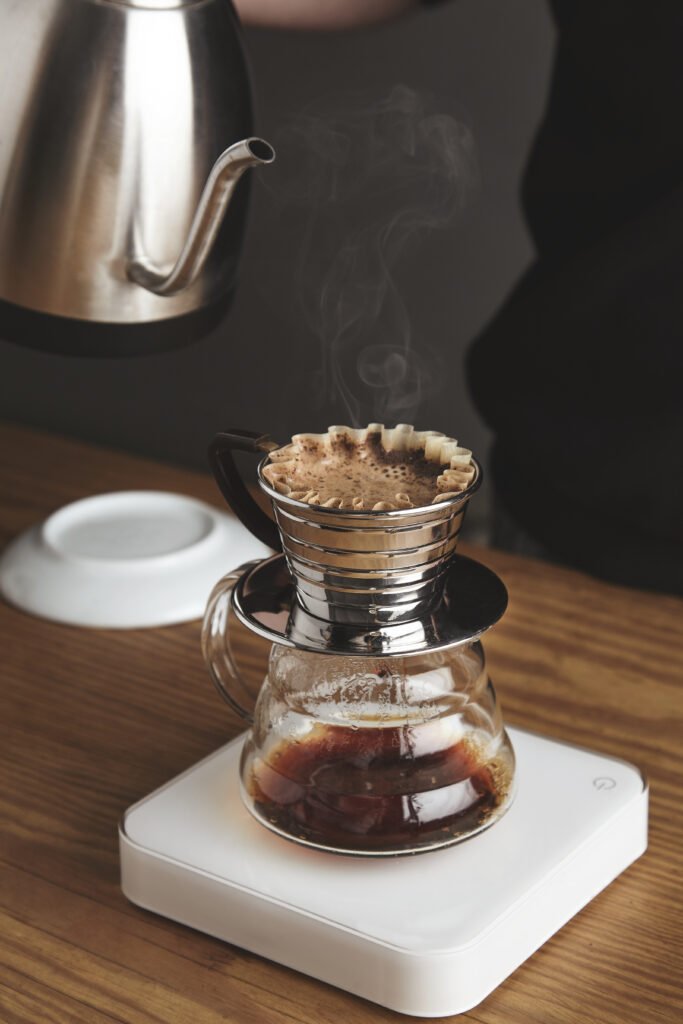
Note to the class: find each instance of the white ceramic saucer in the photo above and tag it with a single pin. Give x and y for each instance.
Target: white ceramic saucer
(125, 560)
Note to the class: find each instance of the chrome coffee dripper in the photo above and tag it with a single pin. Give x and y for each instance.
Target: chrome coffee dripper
(375, 623)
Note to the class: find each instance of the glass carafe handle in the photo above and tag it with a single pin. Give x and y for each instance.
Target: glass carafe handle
(216, 649)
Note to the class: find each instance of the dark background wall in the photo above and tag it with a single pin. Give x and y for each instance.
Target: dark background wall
(485, 61)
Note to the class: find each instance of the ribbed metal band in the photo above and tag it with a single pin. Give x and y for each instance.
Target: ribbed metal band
(368, 568)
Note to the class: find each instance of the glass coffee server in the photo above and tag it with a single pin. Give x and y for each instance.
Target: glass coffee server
(377, 730)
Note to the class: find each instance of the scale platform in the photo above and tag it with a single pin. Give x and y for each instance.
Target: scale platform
(428, 935)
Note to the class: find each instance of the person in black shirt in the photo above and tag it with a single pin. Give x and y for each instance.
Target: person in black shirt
(579, 374)
(581, 368)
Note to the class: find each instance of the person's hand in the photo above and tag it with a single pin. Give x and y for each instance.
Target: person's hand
(320, 14)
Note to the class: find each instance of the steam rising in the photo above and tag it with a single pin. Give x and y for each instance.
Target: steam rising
(368, 180)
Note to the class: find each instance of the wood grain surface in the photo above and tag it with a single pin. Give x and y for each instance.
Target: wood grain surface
(92, 720)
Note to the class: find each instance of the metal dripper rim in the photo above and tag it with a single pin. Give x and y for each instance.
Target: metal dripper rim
(474, 599)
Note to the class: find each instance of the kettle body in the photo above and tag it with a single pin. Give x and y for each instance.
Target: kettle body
(113, 116)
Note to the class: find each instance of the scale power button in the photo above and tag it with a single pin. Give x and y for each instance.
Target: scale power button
(604, 782)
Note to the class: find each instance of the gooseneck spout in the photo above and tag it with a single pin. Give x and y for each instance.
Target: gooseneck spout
(213, 203)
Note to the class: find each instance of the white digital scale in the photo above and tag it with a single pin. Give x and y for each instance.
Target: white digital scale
(429, 935)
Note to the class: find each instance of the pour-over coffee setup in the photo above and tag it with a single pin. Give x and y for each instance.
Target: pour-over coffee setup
(376, 735)
(377, 730)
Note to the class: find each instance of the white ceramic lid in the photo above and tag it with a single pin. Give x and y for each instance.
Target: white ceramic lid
(125, 560)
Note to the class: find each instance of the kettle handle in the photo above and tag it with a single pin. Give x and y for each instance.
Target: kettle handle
(216, 648)
(232, 486)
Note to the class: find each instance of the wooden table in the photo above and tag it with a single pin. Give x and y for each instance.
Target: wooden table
(92, 720)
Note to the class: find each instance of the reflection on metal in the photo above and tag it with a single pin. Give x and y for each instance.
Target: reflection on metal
(125, 128)
(473, 600)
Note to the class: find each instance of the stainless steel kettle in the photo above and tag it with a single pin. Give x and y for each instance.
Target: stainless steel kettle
(124, 128)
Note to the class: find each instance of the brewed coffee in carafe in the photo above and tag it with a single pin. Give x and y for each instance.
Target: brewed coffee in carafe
(370, 755)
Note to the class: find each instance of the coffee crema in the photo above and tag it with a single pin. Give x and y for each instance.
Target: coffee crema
(375, 467)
